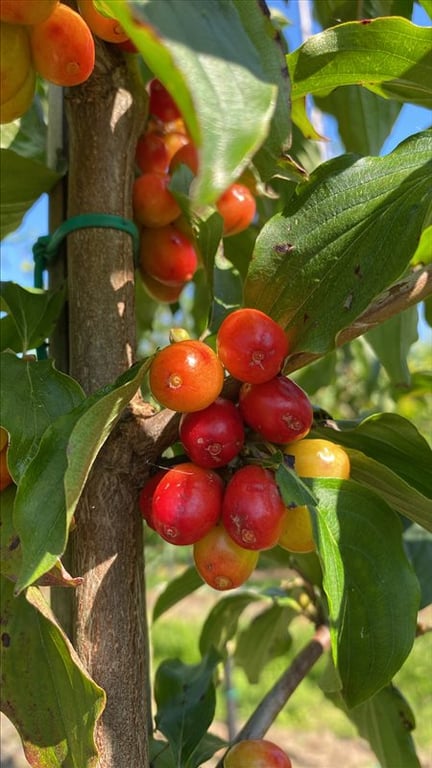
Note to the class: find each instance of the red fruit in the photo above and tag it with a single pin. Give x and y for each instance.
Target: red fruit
(161, 103)
(167, 255)
(279, 410)
(213, 436)
(220, 562)
(186, 376)
(187, 503)
(145, 499)
(102, 26)
(256, 753)
(237, 207)
(153, 203)
(26, 11)
(251, 345)
(63, 48)
(252, 510)
(186, 155)
(165, 294)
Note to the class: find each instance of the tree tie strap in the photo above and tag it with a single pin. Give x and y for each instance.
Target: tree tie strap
(46, 247)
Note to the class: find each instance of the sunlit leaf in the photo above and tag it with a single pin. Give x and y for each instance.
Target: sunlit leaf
(345, 236)
(391, 341)
(176, 590)
(266, 637)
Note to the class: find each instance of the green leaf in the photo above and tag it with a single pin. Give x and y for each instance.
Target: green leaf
(177, 589)
(372, 591)
(386, 722)
(43, 394)
(222, 621)
(364, 119)
(55, 477)
(292, 488)
(186, 700)
(344, 237)
(10, 547)
(423, 254)
(208, 745)
(418, 545)
(393, 441)
(398, 494)
(391, 341)
(209, 64)
(265, 638)
(46, 693)
(22, 182)
(327, 11)
(227, 290)
(390, 56)
(27, 136)
(31, 316)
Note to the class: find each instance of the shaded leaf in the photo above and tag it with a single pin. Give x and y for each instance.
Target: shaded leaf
(391, 341)
(55, 477)
(292, 488)
(194, 52)
(418, 545)
(372, 591)
(266, 637)
(22, 181)
(346, 235)
(31, 316)
(186, 699)
(222, 621)
(56, 705)
(401, 496)
(390, 56)
(176, 590)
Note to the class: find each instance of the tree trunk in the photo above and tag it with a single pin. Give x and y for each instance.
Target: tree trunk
(105, 116)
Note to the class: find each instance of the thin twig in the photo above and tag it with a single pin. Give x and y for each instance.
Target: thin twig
(276, 698)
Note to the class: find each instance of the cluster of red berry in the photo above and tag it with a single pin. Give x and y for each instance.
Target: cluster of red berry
(223, 500)
(168, 254)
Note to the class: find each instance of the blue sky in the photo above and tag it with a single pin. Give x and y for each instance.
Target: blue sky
(16, 249)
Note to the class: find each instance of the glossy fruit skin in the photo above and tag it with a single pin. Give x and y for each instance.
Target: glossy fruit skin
(145, 499)
(279, 410)
(168, 255)
(63, 48)
(252, 510)
(237, 207)
(20, 102)
(161, 103)
(297, 531)
(101, 26)
(256, 753)
(151, 155)
(165, 294)
(187, 503)
(186, 376)
(5, 476)
(251, 345)
(153, 203)
(319, 458)
(220, 562)
(214, 436)
(26, 11)
(15, 59)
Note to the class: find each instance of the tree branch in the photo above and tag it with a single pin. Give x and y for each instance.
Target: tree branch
(412, 289)
(270, 706)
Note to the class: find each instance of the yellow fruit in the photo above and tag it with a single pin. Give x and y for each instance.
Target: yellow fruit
(15, 60)
(20, 102)
(296, 533)
(319, 458)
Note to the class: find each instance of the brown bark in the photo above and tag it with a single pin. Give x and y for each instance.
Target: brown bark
(105, 116)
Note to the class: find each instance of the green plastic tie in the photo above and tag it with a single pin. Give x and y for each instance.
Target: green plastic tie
(46, 247)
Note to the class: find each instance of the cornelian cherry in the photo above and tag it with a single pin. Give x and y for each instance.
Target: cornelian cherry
(167, 255)
(186, 155)
(237, 207)
(187, 503)
(251, 345)
(256, 753)
(145, 499)
(279, 410)
(161, 103)
(252, 510)
(213, 436)
(102, 26)
(220, 562)
(153, 203)
(186, 376)
(165, 294)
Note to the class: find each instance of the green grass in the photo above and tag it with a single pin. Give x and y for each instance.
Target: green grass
(308, 709)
